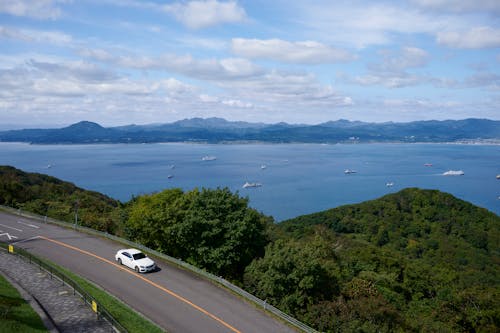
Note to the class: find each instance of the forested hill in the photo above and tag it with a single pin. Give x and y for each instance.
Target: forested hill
(50, 196)
(416, 260)
(411, 214)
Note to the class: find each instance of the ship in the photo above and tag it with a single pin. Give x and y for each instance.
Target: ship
(454, 173)
(208, 158)
(349, 171)
(247, 185)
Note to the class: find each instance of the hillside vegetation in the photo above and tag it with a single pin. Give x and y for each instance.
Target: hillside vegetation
(416, 260)
(412, 261)
(49, 196)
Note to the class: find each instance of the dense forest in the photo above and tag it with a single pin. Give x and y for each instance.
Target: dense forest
(416, 260)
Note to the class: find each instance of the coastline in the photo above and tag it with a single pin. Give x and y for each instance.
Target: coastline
(470, 142)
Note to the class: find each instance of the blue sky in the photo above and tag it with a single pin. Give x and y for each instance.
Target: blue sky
(119, 62)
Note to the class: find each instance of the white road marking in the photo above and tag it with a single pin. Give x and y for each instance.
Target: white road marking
(9, 236)
(25, 240)
(6, 226)
(29, 225)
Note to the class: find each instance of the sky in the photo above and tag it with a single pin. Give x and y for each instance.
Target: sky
(118, 62)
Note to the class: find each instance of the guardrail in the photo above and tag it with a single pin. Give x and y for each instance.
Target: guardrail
(53, 272)
(246, 295)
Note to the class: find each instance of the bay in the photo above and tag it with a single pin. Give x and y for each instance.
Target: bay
(296, 179)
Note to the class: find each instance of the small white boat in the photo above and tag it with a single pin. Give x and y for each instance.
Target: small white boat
(208, 158)
(454, 173)
(170, 176)
(498, 176)
(389, 184)
(247, 185)
(172, 166)
(349, 171)
(263, 166)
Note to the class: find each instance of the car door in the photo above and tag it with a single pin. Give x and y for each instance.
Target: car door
(128, 261)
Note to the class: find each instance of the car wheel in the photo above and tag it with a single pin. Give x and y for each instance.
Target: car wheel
(136, 269)
(119, 261)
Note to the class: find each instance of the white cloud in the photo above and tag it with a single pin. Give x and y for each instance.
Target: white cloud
(475, 38)
(420, 103)
(203, 14)
(365, 23)
(309, 52)
(408, 57)
(208, 98)
(391, 71)
(283, 90)
(206, 69)
(76, 70)
(38, 36)
(460, 5)
(39, 9)
(69, 90)
(237, 103)
(484, 79)
(396, 80)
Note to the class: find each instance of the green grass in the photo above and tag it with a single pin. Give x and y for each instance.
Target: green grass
(16, 315)
(128, 318)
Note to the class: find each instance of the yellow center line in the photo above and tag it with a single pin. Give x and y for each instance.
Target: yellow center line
(214, 317)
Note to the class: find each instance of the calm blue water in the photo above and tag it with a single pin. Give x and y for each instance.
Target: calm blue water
(299, 178)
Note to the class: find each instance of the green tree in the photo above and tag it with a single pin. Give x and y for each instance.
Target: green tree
(212, 229)
(293, 275)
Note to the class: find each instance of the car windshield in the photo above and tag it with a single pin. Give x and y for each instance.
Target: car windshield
(139, 255)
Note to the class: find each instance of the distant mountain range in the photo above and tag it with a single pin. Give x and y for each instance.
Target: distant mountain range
(217, 130)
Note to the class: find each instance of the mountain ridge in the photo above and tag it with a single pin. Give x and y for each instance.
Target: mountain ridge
(219, 130)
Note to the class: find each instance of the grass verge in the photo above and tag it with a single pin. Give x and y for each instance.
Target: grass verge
(16, 315)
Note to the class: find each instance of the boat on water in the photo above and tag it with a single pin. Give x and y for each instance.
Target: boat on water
(263, 166)
(454, 173)
(349, 171)
(498, 176)
(389, 184)
(248, 185)
(428, 164)
(208, 158)
(170, 176)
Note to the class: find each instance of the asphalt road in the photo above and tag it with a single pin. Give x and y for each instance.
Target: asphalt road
(175, 299)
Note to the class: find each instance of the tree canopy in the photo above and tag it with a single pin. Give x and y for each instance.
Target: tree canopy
(49, 196)
(212, 229)
(416, 260)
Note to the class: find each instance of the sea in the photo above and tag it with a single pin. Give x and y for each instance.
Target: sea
(291, 179)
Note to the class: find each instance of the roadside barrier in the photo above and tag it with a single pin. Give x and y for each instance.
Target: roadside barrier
(246, 295)
(54, 273)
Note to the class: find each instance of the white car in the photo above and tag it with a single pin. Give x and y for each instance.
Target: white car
(136, 260)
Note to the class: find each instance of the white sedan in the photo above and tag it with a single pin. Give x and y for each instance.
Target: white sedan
(136, 260)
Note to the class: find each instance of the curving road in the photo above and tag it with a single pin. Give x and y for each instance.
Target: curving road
(175, 299)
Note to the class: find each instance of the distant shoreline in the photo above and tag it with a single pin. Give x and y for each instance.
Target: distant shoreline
(488, 142)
